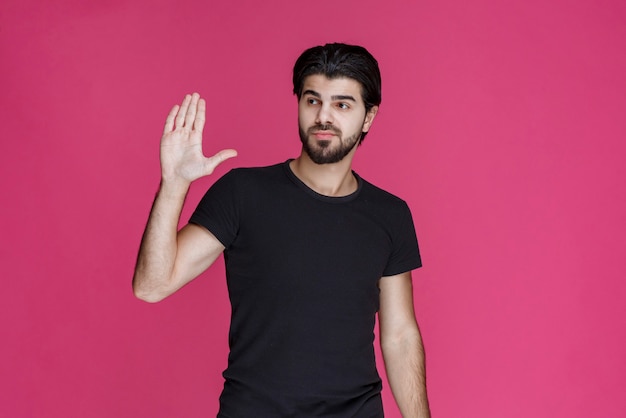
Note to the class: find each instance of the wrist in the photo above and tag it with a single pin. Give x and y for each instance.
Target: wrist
(174, 187)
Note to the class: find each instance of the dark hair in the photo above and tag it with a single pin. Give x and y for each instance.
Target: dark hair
(340, 60)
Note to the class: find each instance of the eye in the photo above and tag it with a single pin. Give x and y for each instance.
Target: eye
(312, 101)
(343, 105)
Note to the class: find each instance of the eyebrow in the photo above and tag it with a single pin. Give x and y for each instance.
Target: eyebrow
(336, 97)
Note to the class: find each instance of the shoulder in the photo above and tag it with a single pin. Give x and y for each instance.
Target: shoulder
(380, 197)
(253, 176)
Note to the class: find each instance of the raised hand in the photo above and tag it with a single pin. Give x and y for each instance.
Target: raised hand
(182, 160)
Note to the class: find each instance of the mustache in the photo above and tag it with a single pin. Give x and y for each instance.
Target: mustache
(324, 127)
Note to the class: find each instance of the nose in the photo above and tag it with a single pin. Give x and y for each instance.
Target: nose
(324, 115)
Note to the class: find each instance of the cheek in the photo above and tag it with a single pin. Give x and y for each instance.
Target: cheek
(305, 116)
(356, 125)
(301, 120)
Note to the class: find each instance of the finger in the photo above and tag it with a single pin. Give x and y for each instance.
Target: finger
(169, 121)
(198, 123)
(219, 158)
(191, 111)
(180, 118)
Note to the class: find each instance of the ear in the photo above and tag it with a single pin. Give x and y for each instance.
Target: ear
(369, 118)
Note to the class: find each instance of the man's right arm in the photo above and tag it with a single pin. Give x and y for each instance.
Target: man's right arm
(168, 259)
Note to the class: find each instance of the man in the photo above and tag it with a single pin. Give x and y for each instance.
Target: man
(312, 253)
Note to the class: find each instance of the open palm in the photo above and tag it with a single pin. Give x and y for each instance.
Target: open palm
(181, 145)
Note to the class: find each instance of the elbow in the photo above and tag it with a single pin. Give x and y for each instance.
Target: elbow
(407, 339)
(145, 293)
(150, 297)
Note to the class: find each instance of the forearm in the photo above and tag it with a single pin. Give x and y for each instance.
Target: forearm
(152, 280)
(406, 373)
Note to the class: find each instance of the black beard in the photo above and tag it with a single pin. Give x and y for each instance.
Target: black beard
(323, 154)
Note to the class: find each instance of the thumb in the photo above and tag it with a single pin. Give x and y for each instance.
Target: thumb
(218, 158)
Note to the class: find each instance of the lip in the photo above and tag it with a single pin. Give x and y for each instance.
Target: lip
(324, 134)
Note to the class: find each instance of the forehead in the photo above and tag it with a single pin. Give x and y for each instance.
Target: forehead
(327, 87)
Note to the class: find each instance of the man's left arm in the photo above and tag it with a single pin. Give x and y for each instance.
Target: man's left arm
(402, 347)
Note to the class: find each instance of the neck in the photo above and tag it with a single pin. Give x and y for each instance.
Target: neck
(334, 180)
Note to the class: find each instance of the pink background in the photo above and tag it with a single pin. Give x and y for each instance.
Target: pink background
(502, 125)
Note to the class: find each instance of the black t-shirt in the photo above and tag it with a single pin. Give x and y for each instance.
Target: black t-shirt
(302, 272)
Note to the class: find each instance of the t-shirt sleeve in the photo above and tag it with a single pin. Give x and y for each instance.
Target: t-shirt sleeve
(218, 211)
(405, 255)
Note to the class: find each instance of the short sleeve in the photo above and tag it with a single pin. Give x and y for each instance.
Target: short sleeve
(405, 255)
(218, 211)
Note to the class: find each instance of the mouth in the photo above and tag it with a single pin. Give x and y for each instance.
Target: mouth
(324, 135)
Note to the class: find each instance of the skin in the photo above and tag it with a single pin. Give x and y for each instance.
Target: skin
(319, 123)
(337, 104)
(331, 117)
